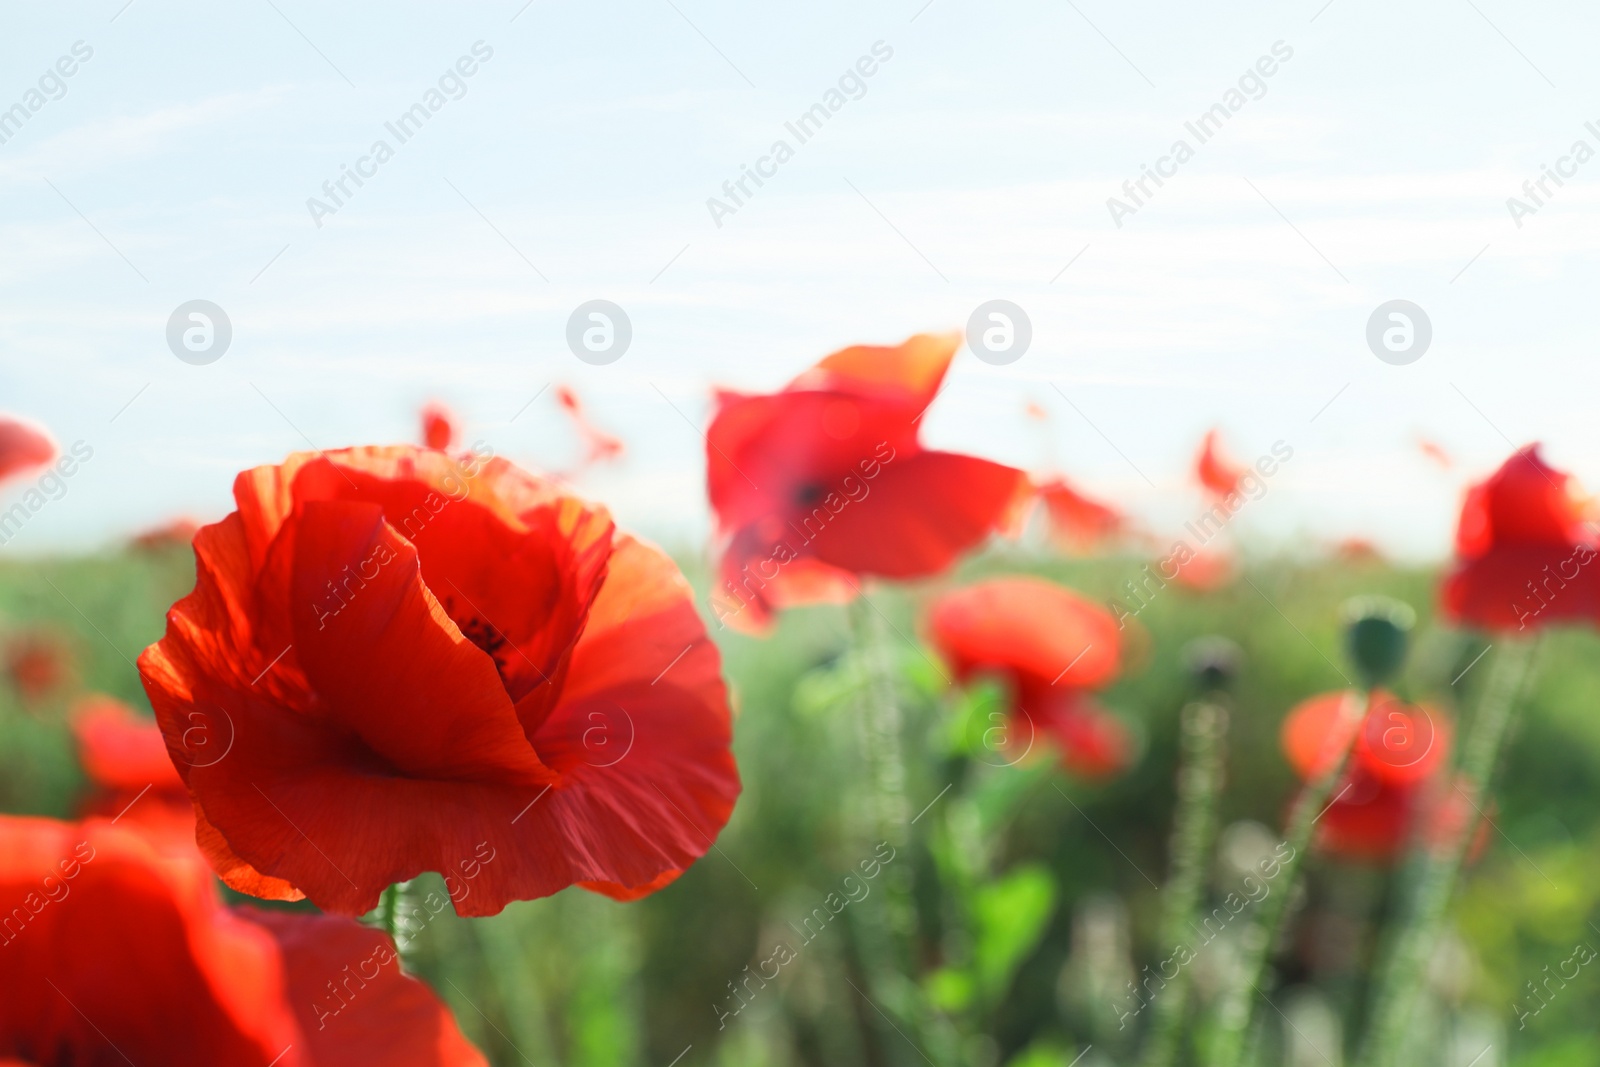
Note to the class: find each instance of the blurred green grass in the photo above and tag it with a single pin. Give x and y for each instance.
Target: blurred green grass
(581, 980)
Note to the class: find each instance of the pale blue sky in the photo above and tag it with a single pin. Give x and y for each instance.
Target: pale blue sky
(976, 165)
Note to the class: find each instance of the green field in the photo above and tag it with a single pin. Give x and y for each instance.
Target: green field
(1005, 929)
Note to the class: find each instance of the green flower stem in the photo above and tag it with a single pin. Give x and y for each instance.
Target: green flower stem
(389, 910)
(1238, 1006)
(886, 944)
(881, 719)
(1193, 831)
(1395, 999)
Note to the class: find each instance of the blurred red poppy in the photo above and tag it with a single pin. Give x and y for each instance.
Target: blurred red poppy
(826, 480)
(23, 446)
(438, 426)
(1203, 571)
(170, 534)
(1525, 550)
(132, 778)
(402, 660)
(1077, 522)
(1049, 647)
(1393, 778)
(38, 663)
(118, 954)
(1435, 452)
(1217, 474)
(1358, 550)
(598, 446)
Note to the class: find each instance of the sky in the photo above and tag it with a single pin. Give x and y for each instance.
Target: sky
(975, 163)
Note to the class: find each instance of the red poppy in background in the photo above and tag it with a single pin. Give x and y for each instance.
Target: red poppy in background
(826, 480)
(1076, 521)
(1204, 571)
(170, 534)
(131, 776)
(1394, 777)
(1525, 550)
(438, 426)
(404, 660)
(598, 446)
(1217, 474)
(1049, 647)
(115, 953)
(1358, 550)
(38, 663)
(1435, 452)
(23, 446)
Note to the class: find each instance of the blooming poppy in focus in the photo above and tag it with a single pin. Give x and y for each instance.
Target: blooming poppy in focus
(598, 446)
(438, 426)
(1525, 550)
(1393, 779)
(402, 658)
(1217, 474)
(116, 953)
(38, 663)
(1076, 521)
(170, 534)
(133, 780)
(826, 480)
(23, 446)
(1049, 647)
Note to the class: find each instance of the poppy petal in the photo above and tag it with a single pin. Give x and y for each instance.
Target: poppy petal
(1039, 632)
(914, 370)
(23, 445)
(1217, 474)
(1092, 742)
(121, 750)
(354, 1004)
(1318, 730)
(921, 513)
(131, 957)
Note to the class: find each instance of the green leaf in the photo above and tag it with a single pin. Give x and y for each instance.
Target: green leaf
(1009, 918)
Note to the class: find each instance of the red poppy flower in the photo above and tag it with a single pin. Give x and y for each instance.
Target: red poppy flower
(438, 426)
(1217, 474)
(125, 759)
(170, 534)
(1076, 521)
(827, 480)
(1525, 550)
(1050, 647)
(115, 954)
(1393, 776)
(23, 445)
(1358, 550)
(38, 663)
(401, 660)
(1435, 452)
(598, 446)
(1203, 571)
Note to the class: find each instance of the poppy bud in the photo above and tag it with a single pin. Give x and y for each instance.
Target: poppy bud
(1213, 662)
(1377, 634)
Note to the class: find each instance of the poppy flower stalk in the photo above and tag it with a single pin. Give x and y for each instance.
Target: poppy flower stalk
(1395, 997)
(1375, 637)
(887, 946)
(1525, 540)
(1193, 831)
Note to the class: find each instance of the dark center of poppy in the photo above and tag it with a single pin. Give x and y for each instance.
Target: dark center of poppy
(484, 634)
(809, 494)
